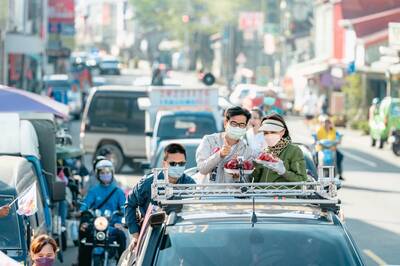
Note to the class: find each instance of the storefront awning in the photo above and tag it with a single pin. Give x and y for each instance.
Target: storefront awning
(308, 68)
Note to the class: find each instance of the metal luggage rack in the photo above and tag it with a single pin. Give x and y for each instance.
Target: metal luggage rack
(322, 192)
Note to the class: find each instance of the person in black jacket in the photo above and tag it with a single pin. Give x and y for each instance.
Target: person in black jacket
(140, 196)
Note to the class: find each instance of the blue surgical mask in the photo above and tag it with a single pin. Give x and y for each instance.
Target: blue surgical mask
(235, 133)
(44, 261)
(106, 178)
(176, 171)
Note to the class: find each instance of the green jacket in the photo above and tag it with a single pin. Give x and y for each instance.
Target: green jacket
(295, 165)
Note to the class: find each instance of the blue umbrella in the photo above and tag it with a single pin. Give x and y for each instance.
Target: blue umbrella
(16, 100)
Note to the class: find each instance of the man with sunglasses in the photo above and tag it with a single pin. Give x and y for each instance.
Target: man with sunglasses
(217, 149)
(140, 196)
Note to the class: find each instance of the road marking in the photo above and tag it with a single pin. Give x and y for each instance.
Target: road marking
(374, 257)
(360, 159)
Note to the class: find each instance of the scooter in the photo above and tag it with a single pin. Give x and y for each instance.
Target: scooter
(326, 156)
(99, 237)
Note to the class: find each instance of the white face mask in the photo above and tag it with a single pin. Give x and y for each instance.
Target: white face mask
(176, 171)
(235, 132)
(272, 139)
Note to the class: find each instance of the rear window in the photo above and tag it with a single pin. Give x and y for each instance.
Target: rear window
(108, 108)
(185, 126)
(395, 109)
(265, 244)
(190, 157)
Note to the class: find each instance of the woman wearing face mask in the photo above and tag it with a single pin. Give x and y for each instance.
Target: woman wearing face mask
(254, 137)
(43, 251)
(217, 149)
(291, 166)
(106, 195)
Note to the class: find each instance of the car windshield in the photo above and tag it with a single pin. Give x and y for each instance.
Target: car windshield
(10, 237)
(265, 244)
(396, 110)
(190, 157)
(185, 126)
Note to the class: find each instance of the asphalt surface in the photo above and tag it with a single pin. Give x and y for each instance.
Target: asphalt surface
(370, 193)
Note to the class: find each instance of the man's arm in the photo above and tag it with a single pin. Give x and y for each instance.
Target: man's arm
(136, 198)
(205, 162)
(88, 201)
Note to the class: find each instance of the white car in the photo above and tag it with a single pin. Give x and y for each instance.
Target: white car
(241, 91)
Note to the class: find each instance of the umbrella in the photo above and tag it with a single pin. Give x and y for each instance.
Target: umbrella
(16, 100)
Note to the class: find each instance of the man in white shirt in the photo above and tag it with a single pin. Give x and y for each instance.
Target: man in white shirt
(217, 149)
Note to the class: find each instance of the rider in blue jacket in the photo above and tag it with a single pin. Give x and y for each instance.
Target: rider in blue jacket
(140, 196)
(106, 195)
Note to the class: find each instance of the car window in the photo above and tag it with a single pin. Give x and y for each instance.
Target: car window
(110, 108)
(264, 244)
(395, 110)
(10, 237)
(188, 126)
(190, 157)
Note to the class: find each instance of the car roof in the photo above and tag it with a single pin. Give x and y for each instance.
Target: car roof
(184, 142)
(58, 77)
(185, 112)
(120, 88)
(219, 213)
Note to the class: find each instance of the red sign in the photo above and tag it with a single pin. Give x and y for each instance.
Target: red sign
(251, 21)
(61, 11)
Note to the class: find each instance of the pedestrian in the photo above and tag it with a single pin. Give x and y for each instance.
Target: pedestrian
(217, 149)
(140, 196)
(254, 137)
(290, 165)
(4, 211)
(43, 251)
(310, 107)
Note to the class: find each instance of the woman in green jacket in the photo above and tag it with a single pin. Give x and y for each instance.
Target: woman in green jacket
(291, 166)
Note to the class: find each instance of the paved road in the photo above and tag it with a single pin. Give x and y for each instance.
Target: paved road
(370, 194)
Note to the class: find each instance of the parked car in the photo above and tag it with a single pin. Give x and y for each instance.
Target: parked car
(110, 66)
(112, 120)
(61, 89)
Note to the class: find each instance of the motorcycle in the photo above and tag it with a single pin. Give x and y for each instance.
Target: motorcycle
(395, 141)
(326, 156)
(99, 236)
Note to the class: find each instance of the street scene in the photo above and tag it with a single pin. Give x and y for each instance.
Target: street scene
(192, 132)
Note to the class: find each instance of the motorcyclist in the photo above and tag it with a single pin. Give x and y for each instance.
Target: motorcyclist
(140, 196)
(104, 154)
(327, 130)
(103, 196)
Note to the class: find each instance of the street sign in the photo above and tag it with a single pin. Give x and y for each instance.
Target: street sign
(394, 34)
(251, 21)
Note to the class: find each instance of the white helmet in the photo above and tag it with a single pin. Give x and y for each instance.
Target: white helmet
(102, 165)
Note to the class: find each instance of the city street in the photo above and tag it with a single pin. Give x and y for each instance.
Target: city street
(369, 194)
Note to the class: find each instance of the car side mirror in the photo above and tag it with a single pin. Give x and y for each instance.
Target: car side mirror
(157, 218)
(58, 191)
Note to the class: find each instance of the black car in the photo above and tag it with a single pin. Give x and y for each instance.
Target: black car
(241, 226)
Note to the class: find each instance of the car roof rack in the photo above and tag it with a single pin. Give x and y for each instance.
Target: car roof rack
(321, 193)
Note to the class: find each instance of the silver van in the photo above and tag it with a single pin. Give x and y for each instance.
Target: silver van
(112, 120)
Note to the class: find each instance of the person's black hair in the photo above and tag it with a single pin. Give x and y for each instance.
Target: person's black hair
(258, 111)
(174, 148)
(277, 117)
(105, 152)
(235, 111)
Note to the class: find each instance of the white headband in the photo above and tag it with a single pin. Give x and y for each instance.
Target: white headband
(272, 126)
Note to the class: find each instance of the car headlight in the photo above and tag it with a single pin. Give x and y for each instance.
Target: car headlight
(100, 236)
(101, 223)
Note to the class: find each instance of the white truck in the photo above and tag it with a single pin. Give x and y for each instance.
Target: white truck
(179, 113)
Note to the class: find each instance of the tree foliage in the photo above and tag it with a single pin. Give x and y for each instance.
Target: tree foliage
(207, 16)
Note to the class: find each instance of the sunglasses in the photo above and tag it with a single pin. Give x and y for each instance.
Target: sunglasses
(177, 163)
